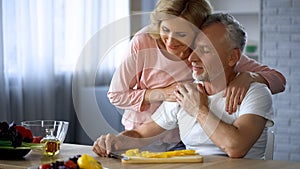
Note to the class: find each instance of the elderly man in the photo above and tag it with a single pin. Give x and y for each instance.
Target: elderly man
(199, 111)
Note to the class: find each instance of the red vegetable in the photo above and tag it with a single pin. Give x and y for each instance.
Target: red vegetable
(37, 139)
(70, 164)
(26, 133)
(45, 166)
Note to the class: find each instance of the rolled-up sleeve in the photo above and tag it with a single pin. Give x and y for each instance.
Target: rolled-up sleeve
(276, 81)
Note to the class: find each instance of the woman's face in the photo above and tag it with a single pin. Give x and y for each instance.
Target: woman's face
(177, 35)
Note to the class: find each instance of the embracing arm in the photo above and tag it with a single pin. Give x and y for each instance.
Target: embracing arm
(251, 71)
(123, 92)
(271, 77)
(134, 84)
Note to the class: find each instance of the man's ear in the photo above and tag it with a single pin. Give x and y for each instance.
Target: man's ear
(234, 56)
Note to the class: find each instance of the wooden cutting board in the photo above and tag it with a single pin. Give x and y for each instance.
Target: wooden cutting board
(174, 159)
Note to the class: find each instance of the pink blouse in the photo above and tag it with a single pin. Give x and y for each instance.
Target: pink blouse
(146, 67)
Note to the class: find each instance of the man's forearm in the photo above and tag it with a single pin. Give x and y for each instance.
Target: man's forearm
(235, 139)
(131, 139)
(143, 135)
(131, 133)
(209, 123)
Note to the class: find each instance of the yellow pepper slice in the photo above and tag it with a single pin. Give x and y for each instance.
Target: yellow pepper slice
(132, 152)
(148, 154)
(88, 162)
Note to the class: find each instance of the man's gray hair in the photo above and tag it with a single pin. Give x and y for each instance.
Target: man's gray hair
(236, 33)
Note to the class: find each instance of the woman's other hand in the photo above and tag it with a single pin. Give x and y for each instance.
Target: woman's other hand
(236, 91)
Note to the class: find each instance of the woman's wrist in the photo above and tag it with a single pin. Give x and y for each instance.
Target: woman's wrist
(256, 77)
(153, 95)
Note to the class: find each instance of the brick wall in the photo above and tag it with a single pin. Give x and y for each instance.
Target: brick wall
(281, 49)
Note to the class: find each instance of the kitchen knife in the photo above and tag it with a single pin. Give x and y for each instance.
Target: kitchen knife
(117, 156)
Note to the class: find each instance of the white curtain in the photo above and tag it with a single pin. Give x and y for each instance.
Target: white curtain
(41, 43)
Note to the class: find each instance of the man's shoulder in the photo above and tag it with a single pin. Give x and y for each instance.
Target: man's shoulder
(167, 108)
(258, 94)
(259, 87)
(167, 111)
(170, 105)
(258, 101)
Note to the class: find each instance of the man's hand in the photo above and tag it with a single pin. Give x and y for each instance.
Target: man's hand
(106, 143)
(124, 140)
(193, 100)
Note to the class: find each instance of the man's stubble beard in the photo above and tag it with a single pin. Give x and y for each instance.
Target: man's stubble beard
(203, 77)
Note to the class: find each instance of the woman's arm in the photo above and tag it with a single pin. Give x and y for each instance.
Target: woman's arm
(123, 91)
(139, 81)
(251, 71)
(273, 78)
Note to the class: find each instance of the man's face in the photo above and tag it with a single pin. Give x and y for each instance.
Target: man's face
(209, 56)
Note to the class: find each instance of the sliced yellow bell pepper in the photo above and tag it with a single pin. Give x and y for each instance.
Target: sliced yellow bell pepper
(88, 162)
(148, 154)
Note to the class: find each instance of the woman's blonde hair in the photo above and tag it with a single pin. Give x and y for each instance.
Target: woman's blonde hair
(194, 11)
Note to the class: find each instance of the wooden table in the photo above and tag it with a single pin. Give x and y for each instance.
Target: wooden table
(35, 158)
